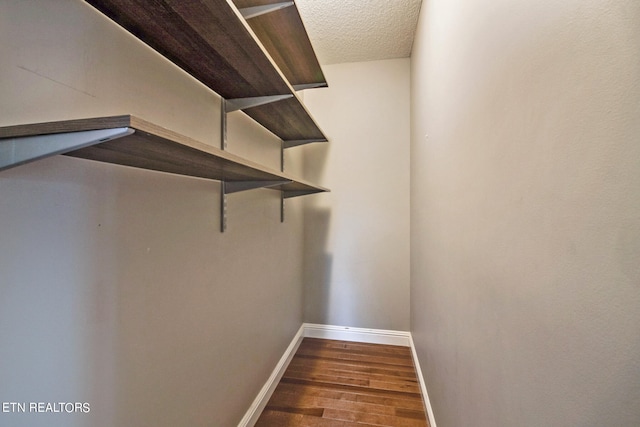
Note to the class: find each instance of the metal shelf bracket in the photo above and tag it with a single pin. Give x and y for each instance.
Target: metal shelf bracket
(231, 105)
(255, 101)
(284, 195)
(229, 187)
(18, 151)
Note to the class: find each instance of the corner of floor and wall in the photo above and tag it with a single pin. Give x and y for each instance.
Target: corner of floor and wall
(342, 333)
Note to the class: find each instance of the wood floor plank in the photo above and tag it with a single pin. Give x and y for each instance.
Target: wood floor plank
(384, 359)
(375, 419)
(273, 418)
(353, 389)
(298, 363)
(345, 379)
(415, 404)
(334, 379)
(396, 377)
(344, 384)
(302, 390)
(358, 347)
(362, 362)
(410, 413)
(395, 386)
(366, 366)
(286, 398)
(355, 358)
(314, 412)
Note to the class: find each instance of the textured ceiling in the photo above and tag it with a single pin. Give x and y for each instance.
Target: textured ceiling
(360, 30)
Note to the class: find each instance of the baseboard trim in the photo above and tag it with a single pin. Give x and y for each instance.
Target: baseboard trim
(423, 386)
(343, 333)
(346, 333)
(259, 403)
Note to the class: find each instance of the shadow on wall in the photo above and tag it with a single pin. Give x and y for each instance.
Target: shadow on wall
(317, 264)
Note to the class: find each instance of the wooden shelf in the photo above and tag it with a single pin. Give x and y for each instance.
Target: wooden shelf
(210, 40)
(151, 147)
(283, 34)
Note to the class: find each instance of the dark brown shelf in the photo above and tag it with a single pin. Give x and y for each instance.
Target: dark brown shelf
(210, 40)
(283, 34)
(155, 148)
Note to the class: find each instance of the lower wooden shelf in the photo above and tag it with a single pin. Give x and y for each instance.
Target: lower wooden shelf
(138, 143)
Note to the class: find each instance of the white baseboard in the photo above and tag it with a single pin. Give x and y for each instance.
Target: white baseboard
(423, 386)
(267, 390)
(344, 333)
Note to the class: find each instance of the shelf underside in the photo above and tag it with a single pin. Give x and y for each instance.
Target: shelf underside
(210, 40)
(155, 148)
(283, 34)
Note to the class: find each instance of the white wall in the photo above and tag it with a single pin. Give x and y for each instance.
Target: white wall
(357, 236)
(116, 286)
(525, 211)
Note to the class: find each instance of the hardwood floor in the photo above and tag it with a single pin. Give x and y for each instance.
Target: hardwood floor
(347, 384)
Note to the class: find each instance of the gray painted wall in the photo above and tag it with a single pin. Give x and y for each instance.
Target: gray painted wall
(357, 236)
(116, 286)
(525, 211)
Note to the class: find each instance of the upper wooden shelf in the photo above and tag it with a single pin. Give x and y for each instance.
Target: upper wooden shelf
(210, 40)
(148, 146)
(283, 34)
